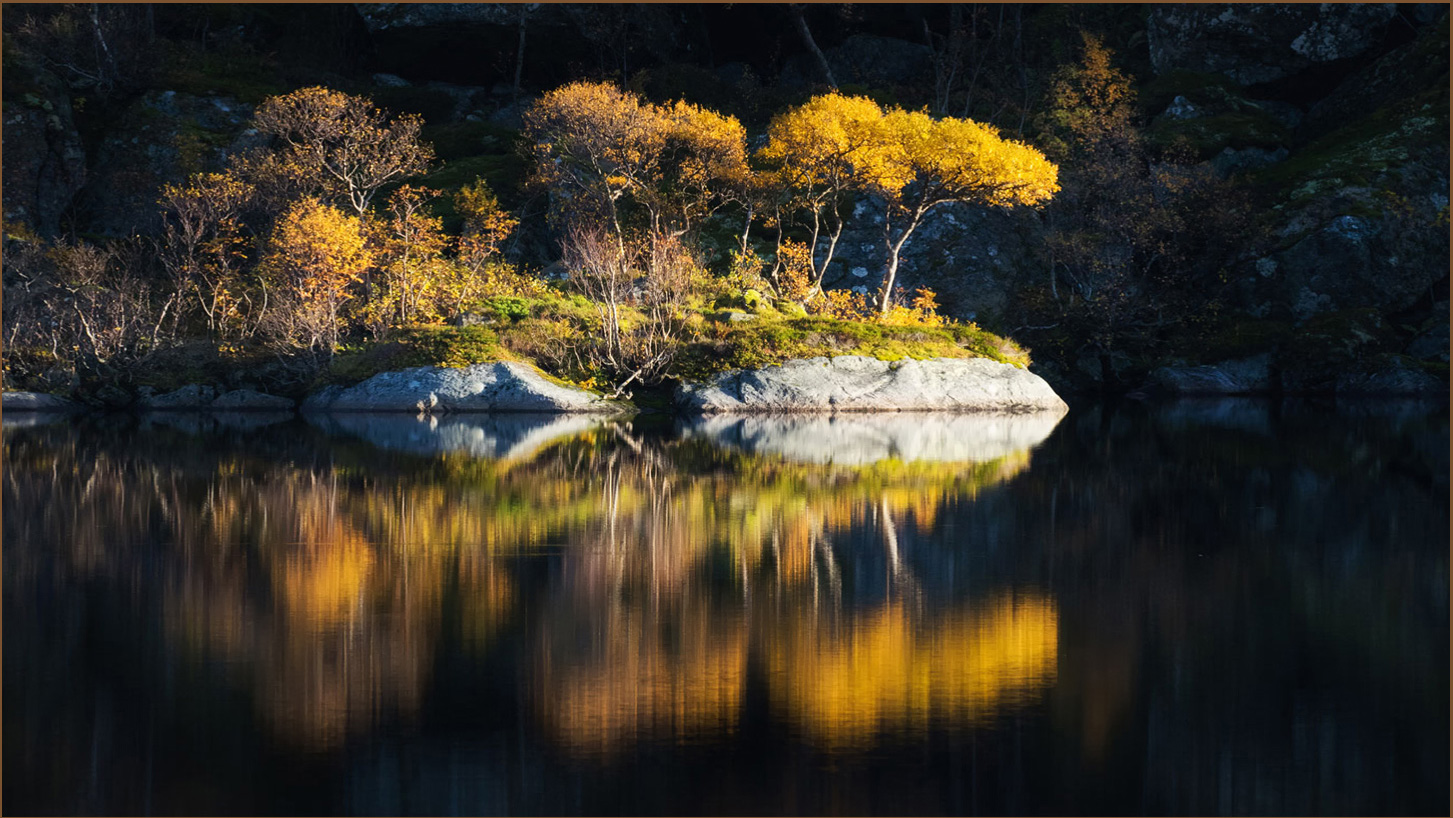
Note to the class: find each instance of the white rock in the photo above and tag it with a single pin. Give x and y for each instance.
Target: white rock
(852, 383)
(495, 387)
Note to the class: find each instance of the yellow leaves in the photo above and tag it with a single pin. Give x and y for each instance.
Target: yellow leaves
(318, 250)
(922, 311)
(834, 139)
(824, 142)
(710, 147)
(486, 225)
(844, 305)
(795, 275)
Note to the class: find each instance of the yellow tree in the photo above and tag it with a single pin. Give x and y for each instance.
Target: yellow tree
(592, 146)
(909, 161)
(704, 165)
(479, 271)
(409, 253)
(486, 224)
(812, 158)
(922, 162)
(338, 145)
(315, 255)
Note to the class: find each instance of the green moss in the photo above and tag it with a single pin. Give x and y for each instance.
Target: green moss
(1209, 135)
(771, 340)
(237, 72)
(417, 346)
(465, 139)
(1358, 153)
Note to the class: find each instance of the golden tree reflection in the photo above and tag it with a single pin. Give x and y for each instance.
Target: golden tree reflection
(881, 673)
(326, 590)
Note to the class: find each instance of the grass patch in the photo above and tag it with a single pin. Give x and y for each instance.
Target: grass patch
(416, 346)
(768, 341)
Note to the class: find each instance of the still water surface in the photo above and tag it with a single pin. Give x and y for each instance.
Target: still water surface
(1191, 607)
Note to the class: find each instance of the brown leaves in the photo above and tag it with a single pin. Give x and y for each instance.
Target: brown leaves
(601, 145)
(341, 146)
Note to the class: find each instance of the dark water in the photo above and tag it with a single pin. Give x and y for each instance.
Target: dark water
(1220, 607)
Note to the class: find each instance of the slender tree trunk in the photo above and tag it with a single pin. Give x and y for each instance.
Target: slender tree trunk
(895, 251)
(520, 51)
(821, 272)
(800, 19)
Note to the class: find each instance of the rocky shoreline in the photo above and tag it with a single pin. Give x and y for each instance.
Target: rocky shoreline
(823, 386)
(814, 385)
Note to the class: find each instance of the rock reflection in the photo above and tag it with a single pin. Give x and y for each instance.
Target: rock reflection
(859, 440)
(498, 437)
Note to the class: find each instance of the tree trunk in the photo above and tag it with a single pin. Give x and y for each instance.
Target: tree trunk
(520, 51)
(895, 252)
(800, 19)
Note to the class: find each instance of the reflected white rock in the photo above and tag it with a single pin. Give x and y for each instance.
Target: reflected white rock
(861, 440)
(24, 420)
(514, 436)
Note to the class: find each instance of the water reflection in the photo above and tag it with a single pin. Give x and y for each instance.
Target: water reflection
(554, 609)
(859, 440)
(887, 673)
(498, 437)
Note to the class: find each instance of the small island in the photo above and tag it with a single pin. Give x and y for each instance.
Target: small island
(310, 265)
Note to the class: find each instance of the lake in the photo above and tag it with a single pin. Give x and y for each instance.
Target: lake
(1229, 606)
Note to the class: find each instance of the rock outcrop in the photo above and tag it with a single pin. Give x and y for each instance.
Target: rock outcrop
(862, 440)
(1241, 377)
(495, 387)
(851, 383)
(44, 158)
(1262, 42)
(160, 138)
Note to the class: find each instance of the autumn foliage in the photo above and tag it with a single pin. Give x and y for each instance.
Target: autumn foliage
(323, 237)
(909, 162)
(314, 257)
